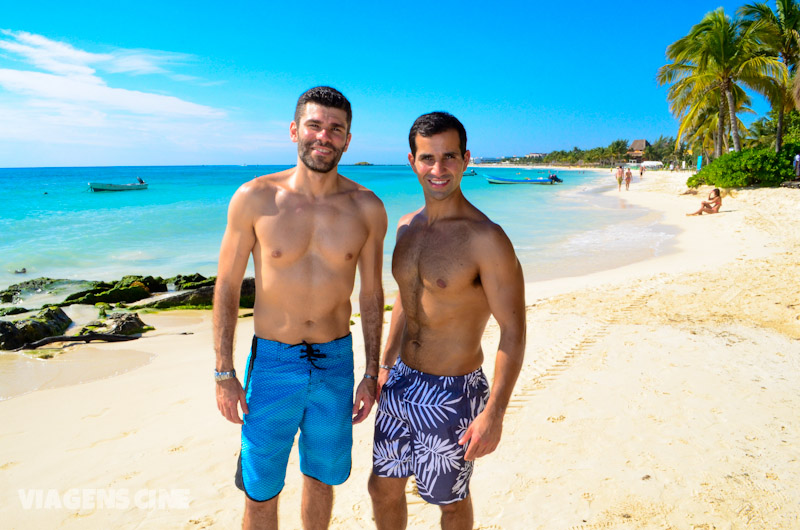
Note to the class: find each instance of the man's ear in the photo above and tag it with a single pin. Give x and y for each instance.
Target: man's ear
(293, 131)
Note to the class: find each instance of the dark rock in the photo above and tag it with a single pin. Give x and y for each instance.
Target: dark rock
(48, 322)
(191, 281)
(117, 294)
(117, 324)
(154, 285)
(125, 324)
(10, 336)
(204, 296)
(81, 294)
(247, 297)
(6, 311)
(196, 285)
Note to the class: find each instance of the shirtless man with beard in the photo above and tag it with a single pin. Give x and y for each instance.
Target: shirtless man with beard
(308, 229)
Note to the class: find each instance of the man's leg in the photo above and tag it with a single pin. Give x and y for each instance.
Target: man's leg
(457, 516)
(388, 502)
(260, 515)
(317, 504)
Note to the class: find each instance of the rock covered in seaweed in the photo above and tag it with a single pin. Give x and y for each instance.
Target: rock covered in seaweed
(47, 323)
(117, 324)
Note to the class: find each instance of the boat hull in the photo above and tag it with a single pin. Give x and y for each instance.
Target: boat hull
(99, 186)
(537, 180)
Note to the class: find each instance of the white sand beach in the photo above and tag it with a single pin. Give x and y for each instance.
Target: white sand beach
(663, 394)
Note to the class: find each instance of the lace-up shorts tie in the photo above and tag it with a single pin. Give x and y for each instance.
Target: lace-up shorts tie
(289, 387)
(420, 419)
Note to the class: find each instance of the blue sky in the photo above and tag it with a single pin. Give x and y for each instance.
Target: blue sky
(172, 82)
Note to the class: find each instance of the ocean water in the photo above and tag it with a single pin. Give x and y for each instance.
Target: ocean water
(53, 226)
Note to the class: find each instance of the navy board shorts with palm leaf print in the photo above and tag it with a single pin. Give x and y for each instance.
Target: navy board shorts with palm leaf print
(420, 419)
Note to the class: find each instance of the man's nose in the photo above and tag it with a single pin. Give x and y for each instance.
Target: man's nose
(438, 168)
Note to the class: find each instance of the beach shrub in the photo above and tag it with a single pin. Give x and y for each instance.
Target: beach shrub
(750, 167)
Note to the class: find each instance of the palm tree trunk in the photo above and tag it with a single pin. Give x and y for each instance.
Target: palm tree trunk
(720, 132)
(779, 131)
(737, 146)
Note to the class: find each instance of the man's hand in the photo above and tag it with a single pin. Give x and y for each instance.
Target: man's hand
(365, 398)
(483, 435)
(229, 395)
(383, 376)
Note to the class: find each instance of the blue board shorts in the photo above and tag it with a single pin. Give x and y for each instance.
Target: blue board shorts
(290, 387)
(419, 421)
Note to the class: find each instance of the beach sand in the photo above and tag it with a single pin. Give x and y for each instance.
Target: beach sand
(663, 394)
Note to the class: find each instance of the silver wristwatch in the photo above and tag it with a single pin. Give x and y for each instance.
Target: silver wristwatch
(222, 376)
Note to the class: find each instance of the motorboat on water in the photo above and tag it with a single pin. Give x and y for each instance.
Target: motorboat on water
(550, 179)
(469, 173)
(100, 186)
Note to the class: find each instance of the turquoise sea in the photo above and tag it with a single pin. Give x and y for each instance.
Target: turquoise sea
(51, 225)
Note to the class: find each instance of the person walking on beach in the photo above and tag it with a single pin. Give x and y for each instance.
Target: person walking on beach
(641, 172)
(454, 268)
(712, 205)
(797, 165)
(628, 177)
(308, 229)
(620, 175)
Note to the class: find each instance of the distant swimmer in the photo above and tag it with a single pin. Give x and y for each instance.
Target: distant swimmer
(712, 205)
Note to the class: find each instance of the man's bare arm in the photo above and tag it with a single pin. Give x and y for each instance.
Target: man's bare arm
(237, 244)
(394, 340)
(501, 277)
(370, 266)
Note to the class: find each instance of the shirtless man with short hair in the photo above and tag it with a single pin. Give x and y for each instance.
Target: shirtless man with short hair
(454, 268)
(308, 229)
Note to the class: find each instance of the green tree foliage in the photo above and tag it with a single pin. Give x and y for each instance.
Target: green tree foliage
(779, 30)
(751, 167)
(709, 67)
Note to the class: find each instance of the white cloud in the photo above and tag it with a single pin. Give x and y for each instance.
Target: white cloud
(71, 89)
(63, 98)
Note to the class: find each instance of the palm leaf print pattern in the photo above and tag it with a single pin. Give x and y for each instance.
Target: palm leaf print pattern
(420, 419)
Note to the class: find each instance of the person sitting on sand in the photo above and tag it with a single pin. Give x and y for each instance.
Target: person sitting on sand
(712, 205)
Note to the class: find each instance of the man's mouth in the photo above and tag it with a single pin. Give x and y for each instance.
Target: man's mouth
(438, 183)
(322, 150)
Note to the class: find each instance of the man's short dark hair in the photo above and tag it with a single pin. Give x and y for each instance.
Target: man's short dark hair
(434, 123)
(325, 96)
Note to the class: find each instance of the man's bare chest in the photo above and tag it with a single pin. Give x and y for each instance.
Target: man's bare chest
(437, 261)
(293, 232)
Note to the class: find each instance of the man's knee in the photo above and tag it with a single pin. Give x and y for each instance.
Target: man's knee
(261, 508)
(383, 488)
(456, 507)
(316, 485)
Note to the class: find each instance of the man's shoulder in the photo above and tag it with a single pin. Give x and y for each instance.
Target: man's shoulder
(265, 184)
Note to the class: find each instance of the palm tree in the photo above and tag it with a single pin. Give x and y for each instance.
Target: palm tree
(718, 55)
(780, 31)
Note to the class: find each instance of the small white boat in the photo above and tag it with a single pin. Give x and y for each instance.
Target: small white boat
(100, 186)
(552, 179)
